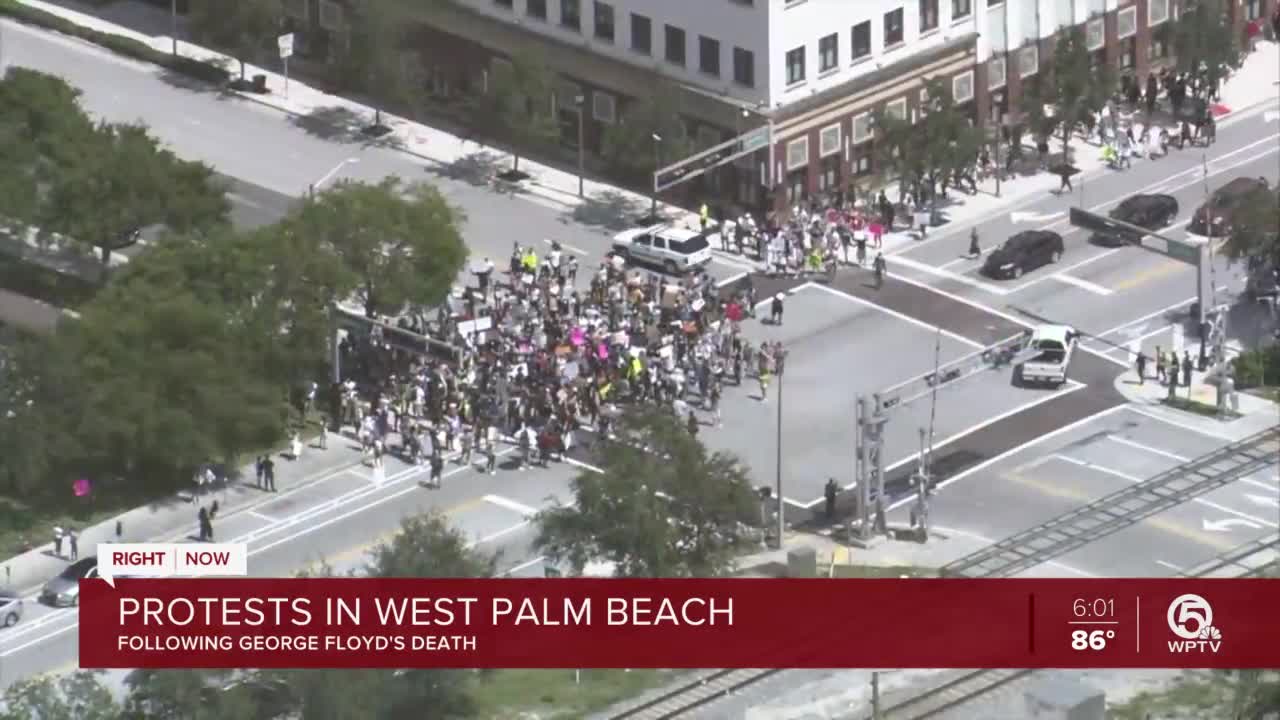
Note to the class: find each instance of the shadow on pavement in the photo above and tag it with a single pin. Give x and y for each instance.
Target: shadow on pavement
(152, 18)
(609, 209)
(478, 168)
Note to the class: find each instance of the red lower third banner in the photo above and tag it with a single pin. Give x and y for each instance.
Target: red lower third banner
(585, 623)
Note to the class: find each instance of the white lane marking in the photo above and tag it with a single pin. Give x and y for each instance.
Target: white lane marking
(260, 516)
(509, 504)
(397, 477)
(524, 565)
(1147, 317)
(500, 534)
(1169, 565)
(1094, 288)
(1033, 464)
(968, 258)
(991, 541)
(734, 262)
(1136, 480)
(1225, 525)
(566, 246)
(732, 279)
(894, 313)
(1065, 270)
(1175, 423)
(584, 466)
(1267, 502)
(948, 275)
(1012, 451)
(1137, 339)
(1069, 388)
(242, 200)
(1179, 458)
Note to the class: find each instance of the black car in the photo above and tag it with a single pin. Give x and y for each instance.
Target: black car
(1146, 211)
(1025, 251)
(1217, 213)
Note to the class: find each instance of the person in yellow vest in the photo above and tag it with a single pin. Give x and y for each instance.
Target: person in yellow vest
(530, 262)
(704, 214)
(633, 372)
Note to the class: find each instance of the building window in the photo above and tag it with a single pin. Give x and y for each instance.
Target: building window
(301, 9)
(1252, 10)
(675, 41)
(604, 107)
(861, 39)
(330, 15)
(709, 55)
(961, 9)
(862, 165)
(928, 15)
(861, 128)
(536, 9)
(997, 72)
(571, 15)
(797, 153)
(893, 28)
(1095, 34)
(744, 67)
(1158, 49)
(795, 66)
(641, 34)
(962, 87)
(829, 140)
(1157, 12)
(897, 109)
(828, 52)
(1128, 52)
(1028, 61)
(1127, 22)
(604, 21)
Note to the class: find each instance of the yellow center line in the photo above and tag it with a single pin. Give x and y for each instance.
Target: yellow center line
(1162, 270)
(358, 551)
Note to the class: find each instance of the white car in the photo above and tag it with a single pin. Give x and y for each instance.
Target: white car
(1053, 346)
(674, 249)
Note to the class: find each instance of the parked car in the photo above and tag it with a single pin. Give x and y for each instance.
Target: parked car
(1217, 212)
(1025, 251)
(674, 249)
(10, 608)
(1151, 212)
(1054, 345)
(64, 589)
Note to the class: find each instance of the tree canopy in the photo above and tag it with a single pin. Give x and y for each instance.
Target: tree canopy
(1074, 88)
(370, 63)
(241, 28)
(940, 140)
(1255, 228)
(518, 103)
(1204, 44)
(628, 144)
(663, 506)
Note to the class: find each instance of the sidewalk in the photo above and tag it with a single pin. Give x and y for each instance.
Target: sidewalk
(174, 520)
(1240, 92)
(1251, 415)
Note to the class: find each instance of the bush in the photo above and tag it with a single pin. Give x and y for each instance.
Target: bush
(198, 69)
(1258, 367)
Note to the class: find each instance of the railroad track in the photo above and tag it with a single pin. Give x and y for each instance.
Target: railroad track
(693, 695)
(951, 694)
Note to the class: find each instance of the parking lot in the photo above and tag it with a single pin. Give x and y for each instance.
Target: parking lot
(831, 360)
(1090, 459)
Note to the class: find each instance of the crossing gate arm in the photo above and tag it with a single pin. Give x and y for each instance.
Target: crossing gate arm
(710, 159)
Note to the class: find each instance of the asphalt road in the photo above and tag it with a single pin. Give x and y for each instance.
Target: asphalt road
(253, 206)
(334, 520)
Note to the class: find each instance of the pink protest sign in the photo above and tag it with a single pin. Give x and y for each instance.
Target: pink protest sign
(81, 487)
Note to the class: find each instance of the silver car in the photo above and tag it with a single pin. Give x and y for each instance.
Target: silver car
(10, 608)
(64, 590)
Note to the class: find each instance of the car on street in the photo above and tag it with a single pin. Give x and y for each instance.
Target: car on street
(64, 589)
(1025, 251)
(1053, 346)
(10, 608)
(1218, 211)
(675, 250)
(1150, 212)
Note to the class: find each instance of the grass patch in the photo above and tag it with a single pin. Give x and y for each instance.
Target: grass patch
(1266, 393)
(45, 284)
(198, 69)
(1197, 407)
(25, 526)
(1196, 694)
(546, 694)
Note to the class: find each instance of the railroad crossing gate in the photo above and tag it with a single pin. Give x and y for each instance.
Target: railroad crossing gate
(712, 158)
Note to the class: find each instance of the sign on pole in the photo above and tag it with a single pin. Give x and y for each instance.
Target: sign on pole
(286, 51)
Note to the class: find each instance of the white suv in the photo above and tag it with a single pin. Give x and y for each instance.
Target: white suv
(675, 249)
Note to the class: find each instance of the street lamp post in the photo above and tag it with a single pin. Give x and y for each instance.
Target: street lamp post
(578, 102)
(782, 524)
(657, 164)
(173, 25)
(995, 116)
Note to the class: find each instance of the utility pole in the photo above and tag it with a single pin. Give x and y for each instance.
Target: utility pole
(173, 25)
(778, 468)
(875, 695)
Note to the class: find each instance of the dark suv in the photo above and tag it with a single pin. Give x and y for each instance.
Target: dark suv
(1217, 213)
(1151, 212)
(1025, 251)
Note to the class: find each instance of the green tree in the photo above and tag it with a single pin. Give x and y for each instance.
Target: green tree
(1075, 89)
(663, 506)
(75, 696)
(628, 145)
(242, 28)
(1204, 44)
(427, 547)
(371, 63)
(1255, 229)
(190, 695)
(42, 127)
(122, 182)
(518, 104)
(397, 245)
(940, 142)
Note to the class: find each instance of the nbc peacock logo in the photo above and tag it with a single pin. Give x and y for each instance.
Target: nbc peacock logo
(1191, 620)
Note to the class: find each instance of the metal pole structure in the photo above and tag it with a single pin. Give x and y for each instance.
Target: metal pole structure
(657, 164)
(173, 25)
(999, 134)
(1202, 321)
(778, 468)
(337, 344)
(579, 101)
(875, 695)
(860, 470)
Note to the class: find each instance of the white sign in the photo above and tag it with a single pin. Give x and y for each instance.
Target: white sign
(286, 45)
(159, 560)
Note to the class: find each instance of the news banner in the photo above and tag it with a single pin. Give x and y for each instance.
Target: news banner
(182, 606)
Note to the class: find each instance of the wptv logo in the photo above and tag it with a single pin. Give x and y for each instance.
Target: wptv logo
(1191, 619)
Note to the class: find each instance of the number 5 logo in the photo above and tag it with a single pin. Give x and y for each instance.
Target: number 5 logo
(1188, 615)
